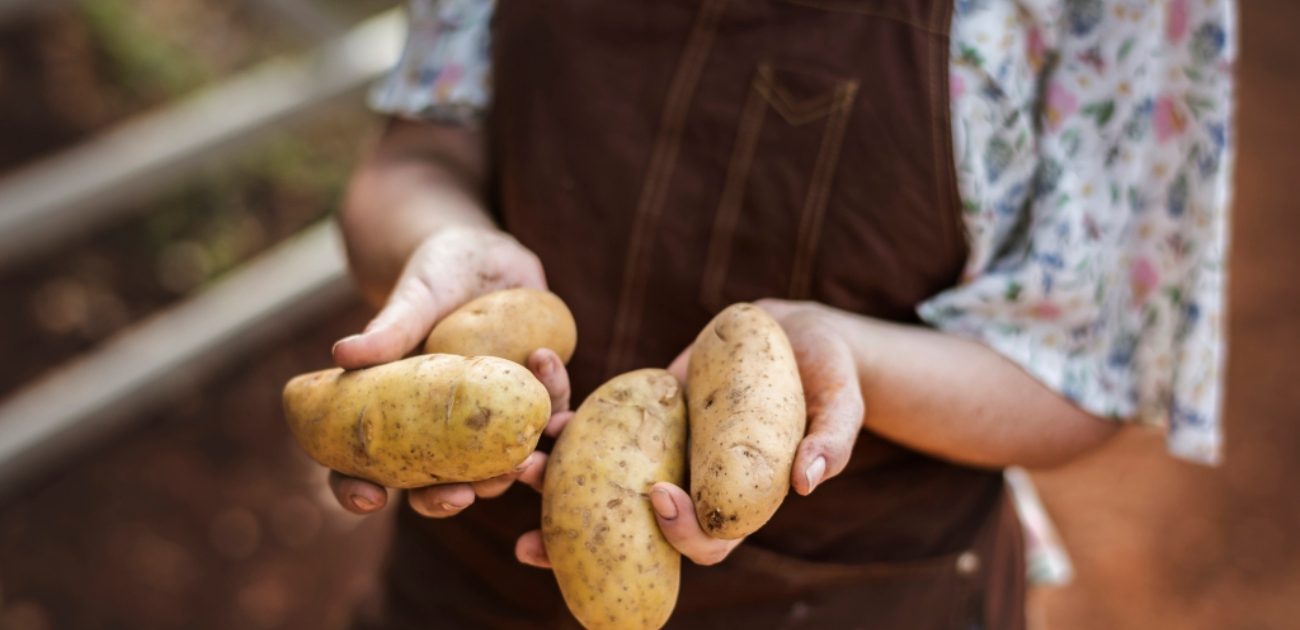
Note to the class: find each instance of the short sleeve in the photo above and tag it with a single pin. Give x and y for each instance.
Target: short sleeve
(1097, 203)
(444, 72)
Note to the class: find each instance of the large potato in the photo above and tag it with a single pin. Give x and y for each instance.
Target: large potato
(747, 418)
(510, 324)
(419, 421)
(614, 566)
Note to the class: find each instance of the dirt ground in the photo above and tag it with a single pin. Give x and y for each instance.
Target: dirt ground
(206, 516)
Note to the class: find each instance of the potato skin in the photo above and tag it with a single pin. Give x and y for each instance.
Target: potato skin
(427, 419)
(747, 418)
(613, 564)
(510, 324)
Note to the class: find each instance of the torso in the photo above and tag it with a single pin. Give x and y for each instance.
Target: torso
(666, 158)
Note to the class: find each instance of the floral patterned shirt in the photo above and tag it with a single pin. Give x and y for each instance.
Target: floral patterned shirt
(1093, 144)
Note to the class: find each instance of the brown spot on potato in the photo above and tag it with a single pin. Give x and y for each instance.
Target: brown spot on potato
(479, 420)
(715, 520)
(365, 432)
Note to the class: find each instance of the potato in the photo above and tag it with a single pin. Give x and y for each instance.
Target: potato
(613, 564)
(747, 418)
(427, 419)
(510, 324)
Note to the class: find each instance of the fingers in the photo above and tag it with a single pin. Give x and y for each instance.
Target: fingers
(399, 327)
(557, 423)
(450, 499)
(676, 515)
(779, 309)
(529, 471)
(549, 369)
(835, 409)
(494, 487)
(679, 365)
(357, 495)
(441, 501)
(832, 393)
(530, 550)
(534, 470)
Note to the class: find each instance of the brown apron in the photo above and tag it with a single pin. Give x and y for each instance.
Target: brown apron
(665, 158)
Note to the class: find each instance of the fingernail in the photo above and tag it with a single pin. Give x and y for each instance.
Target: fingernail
(815, 472)
(363, 503)
(344, 340)
(448, 507)
(663, 505)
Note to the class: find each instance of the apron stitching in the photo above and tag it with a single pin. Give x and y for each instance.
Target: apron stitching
(945, 159)
(936, 105)
(663, 160)
(733, 195)
(765, 90)
(813, 213)
(794, 112)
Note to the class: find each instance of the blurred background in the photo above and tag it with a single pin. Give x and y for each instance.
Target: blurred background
(167, 170)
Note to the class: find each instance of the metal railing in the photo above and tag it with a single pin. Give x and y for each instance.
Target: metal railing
(90, 185)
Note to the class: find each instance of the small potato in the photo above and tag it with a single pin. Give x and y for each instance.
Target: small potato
(427, 419)
(613, 564)
(747, 418)
(510, 324)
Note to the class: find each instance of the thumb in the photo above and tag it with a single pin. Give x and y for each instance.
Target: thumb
(835, 411)
(400, 326)
(678, 368)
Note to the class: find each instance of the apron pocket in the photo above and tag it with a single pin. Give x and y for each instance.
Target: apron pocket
(787, 184)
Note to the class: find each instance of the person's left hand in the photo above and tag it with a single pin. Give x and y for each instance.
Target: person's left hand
(833, 398)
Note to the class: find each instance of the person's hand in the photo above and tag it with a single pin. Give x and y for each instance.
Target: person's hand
(450, 268)
(835, 411)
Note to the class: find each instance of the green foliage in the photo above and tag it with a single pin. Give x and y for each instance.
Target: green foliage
(141, 58)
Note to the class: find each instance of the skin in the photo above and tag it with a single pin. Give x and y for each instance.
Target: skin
(415, 222)
(420, 244)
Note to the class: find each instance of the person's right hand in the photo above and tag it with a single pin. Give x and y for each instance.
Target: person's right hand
(450, 268)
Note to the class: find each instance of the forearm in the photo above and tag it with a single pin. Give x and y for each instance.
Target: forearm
(962, 401)
(418, 179)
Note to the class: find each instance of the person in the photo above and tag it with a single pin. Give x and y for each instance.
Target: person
(994, 232)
